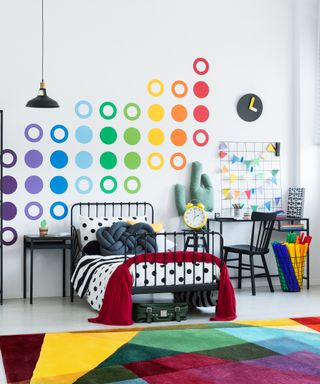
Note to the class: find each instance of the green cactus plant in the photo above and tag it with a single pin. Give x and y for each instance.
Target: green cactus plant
(43, 223)
(200, 189)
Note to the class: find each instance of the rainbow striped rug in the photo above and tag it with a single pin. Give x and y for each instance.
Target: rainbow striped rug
(283, 351)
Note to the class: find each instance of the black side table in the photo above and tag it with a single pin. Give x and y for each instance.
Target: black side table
(195, 239)
(46, 242)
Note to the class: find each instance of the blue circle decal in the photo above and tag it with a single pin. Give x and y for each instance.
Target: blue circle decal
(84, 134)
(62, 205)
(57, 128)
(59, 159)
(83, 105)
(87, 185)
(84, 159)
(58, 185)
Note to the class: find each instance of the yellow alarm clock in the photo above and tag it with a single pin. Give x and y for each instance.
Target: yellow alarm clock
(195, 216)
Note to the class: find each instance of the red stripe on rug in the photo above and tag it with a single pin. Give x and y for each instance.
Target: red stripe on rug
(20, 354)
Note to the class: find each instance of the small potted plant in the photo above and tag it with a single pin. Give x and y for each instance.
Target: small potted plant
(43, 229)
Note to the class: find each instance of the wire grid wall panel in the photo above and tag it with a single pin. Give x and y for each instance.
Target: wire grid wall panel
(250, 174)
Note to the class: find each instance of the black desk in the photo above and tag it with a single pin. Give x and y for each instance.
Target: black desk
(277, 228)
(47, 242)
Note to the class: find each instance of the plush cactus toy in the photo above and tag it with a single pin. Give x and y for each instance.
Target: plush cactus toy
(200, 189)
(43, 223)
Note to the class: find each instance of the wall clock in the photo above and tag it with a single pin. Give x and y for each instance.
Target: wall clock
(250, 107)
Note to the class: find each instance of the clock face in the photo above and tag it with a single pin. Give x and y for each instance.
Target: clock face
(250, 107)
(195, 217)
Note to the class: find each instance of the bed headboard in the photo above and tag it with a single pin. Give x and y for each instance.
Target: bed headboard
(105, 209)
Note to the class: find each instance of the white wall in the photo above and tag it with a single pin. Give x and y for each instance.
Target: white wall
(98, 50)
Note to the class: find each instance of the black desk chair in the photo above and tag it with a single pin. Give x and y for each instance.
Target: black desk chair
(262, 227)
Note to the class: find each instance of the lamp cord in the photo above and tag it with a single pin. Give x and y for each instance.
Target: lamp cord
(42, 20)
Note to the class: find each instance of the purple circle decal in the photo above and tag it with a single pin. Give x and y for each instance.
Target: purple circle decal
(34, 216)
(13, 161)
(14, 235)
(33, 158)
(9, 211)
(9, 185)
(27, 133)
(33, 184)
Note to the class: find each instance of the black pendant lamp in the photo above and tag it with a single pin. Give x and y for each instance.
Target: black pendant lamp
(42, 100)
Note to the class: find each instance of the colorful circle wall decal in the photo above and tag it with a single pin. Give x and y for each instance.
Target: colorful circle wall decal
(84, 185)
(132, 111)
(178, 161)
(14, 236)
(32, 136)
(33, 210)
(83, 109)
(59, 159)
(9, 211)
(84, 159)
(108, 160)
(201, 89)
(156, 112)
(155, 161)
(84, 134)
(111, 180)
(58, 185)
(112, 110)
(178, 137)
(201, 113)
(132, 160)
(179, 88)
(108, 135)
(33, 158)
(62, 208)
(59, 134)
(205, 137)
(156, 136)
(179, 113)
(132, 180)
(33, 184)
(12, 161)
(155, 87)
(9, 185)
(132, 136)
(201, 66)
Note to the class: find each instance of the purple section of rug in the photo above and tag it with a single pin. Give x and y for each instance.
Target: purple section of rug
(304, 362)
(20, 354)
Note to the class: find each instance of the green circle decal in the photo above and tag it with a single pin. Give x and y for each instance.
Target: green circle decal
(131, 116)
(132, 160)
(108, 104)
(129, 189)
(108, 135)
(113, 188)
(132, 136)
(108, 160)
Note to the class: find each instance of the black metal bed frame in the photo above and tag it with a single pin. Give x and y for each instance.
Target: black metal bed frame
(98, 209)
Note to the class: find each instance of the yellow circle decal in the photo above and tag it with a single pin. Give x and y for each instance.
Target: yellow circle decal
(155, 161)
(155, 87)
(156, 136)
(156, 112)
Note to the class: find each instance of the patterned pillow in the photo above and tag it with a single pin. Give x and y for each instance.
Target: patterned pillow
(89, 226)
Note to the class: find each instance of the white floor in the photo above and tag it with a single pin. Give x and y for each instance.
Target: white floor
(58, 314)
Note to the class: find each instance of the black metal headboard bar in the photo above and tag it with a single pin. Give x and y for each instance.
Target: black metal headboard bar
(105, 209)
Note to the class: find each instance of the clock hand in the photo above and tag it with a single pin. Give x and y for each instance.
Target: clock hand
(251, 105)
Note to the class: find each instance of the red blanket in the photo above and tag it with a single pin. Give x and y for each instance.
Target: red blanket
(117, 303)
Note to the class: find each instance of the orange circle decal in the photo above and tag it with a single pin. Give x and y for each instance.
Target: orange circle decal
(179, 113)
(176, 86)
(181, 163)
(178, 137)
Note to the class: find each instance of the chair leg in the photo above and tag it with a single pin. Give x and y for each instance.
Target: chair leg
(225, 256)
(267, 272)
(240, 270)
(253, 284)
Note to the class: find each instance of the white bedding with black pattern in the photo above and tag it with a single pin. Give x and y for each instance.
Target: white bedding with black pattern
(93, 272)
